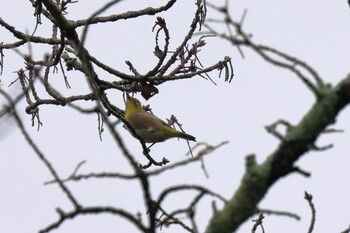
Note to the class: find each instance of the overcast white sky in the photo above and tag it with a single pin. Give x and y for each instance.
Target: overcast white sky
(317, 32)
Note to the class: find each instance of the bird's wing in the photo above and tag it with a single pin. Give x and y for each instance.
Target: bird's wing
(145, 121)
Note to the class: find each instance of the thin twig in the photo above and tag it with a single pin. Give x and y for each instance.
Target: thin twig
(308, 198)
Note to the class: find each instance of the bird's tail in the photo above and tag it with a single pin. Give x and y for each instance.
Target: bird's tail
(178, 134)
(185, 136)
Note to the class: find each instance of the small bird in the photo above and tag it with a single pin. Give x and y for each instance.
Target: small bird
(149, 127)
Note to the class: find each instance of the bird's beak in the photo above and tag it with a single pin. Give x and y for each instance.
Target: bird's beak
(127, 98)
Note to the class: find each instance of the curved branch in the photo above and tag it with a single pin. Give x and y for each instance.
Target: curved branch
(177, 188)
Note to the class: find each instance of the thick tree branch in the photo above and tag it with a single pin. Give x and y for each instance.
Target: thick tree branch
(299, 139)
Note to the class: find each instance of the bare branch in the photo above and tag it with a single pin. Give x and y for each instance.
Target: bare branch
(258, 222)
(308, 198)
(273, 128)
(126, 15)
(280, 213)
(271, 55)
(92, 211)
(38, 152)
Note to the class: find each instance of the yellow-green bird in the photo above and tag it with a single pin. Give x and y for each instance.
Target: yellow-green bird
(149, 127)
